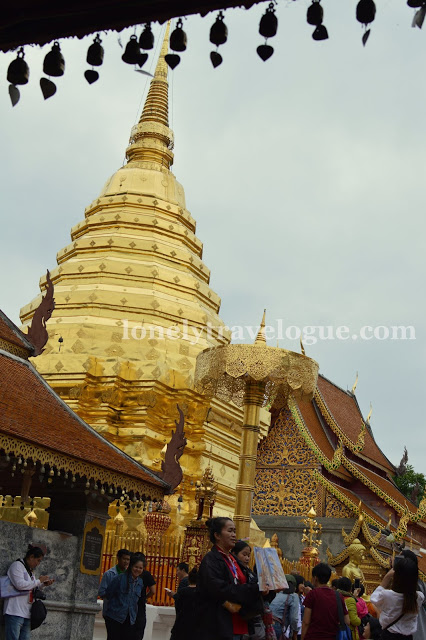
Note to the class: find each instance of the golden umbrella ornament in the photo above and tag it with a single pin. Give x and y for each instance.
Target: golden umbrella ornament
(253, 376)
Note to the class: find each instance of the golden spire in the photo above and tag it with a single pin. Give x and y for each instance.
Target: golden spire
(151, 139)
(156, 107)
(261, 338)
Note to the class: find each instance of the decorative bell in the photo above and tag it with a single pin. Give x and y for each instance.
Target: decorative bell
(18, 71)
(315, 14)
(178, 38)
(95, 53)
(132, 52)
(365, 11)
(219, 31)
(269, 22)
(54, 63)
(146, 40)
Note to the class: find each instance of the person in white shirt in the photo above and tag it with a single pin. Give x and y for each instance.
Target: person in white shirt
(398, 601)
(17, 609)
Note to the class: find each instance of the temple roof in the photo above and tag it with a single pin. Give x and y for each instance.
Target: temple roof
(312, 421)
(33, 413)
(344, 409)
(10, 334)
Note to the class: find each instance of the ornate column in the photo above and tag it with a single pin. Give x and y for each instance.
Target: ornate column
(253, 376)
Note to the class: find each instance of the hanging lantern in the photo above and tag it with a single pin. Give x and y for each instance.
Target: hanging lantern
(18, 71)
(219, 31)
(146, 40)
(365, 11)
(132, 53)
(95, 53)
(54, 63)
(269, 22)
(315, 14)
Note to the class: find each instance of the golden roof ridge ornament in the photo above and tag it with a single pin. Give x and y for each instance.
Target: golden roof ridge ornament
(355, 384)
(302, 348)
(367, 422)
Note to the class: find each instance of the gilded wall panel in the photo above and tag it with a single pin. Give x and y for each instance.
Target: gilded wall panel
(284, 445)
(336, 509)
(282, 492)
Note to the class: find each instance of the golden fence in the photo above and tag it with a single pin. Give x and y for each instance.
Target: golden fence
(162, 558)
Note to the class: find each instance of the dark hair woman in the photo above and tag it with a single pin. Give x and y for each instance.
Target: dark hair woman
(222, 587)
(372, 629)
(398, 600)
(17, 609)
(256, 627)
(344, 585)
(185, 603)
(123, 594)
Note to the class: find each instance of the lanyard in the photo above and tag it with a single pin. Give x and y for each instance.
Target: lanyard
(230, 563)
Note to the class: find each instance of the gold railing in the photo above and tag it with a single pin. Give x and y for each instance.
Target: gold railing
(162, 557)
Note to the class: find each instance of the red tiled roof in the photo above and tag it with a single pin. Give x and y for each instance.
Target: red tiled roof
(316, 430)
(355, 501)
(387, 486)
(346, 413)
(31, 410)
(10, 333)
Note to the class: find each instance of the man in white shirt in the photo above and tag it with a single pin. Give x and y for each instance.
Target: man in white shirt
(17, 609)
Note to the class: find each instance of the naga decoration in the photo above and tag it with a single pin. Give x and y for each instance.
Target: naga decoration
(37, 333)
(171, 471)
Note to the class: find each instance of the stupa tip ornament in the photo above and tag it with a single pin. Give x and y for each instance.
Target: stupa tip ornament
(261, 335)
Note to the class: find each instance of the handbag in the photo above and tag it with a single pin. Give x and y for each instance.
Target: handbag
(259, 630)
(38, 612)
(343, 631)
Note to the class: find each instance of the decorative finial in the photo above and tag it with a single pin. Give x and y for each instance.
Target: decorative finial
(302, 348)
(369, 415)
(261, 338)
(355, 384)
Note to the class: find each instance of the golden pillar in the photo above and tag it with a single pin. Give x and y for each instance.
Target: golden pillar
(253, 376)
(253, 401)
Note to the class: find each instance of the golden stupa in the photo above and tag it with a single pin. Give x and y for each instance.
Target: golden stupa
(134, 309)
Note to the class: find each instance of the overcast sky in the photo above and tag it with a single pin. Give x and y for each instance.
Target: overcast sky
(305, 174)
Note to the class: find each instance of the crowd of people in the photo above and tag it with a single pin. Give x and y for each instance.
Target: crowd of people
(222, 600)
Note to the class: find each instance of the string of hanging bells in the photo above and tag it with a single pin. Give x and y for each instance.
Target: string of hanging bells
(18, 72)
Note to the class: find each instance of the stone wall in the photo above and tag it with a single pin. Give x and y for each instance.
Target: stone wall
(290, 529)
(72, 598)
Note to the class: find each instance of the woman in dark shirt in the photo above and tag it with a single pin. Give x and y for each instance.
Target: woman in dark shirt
(222, 587)
(185, 603)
